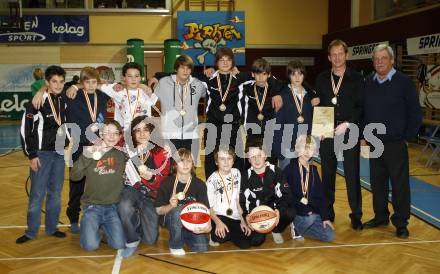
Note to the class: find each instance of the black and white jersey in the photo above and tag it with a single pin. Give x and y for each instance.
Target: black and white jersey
(267, 189)
(39, 128)
(248, 105)
(231, 101)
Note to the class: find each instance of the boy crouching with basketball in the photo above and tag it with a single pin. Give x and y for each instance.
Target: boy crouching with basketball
(223, 194)
(312, 218)
(175, 192)
(103, 166)
(261, 184)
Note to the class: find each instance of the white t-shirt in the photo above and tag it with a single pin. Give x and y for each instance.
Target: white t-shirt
(218, 200)
(125, 111)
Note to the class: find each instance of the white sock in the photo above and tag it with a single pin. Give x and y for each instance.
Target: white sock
(212, 243)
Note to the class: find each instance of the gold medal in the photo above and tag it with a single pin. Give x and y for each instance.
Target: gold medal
(142, 169)
(94, 127)
(96, 155)
(228, 197)
(336, 87)
(180, 196)
(183, 95)
(304, 184)
(260, 105)
(222, 107)
(304, 201)
(299, 105)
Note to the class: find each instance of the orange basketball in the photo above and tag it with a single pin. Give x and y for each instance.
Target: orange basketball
(262, 219)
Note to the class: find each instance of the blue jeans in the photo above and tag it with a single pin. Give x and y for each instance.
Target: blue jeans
(312, 227)
(180, 235)
(46, 182)
(105, 217)
(138, 214)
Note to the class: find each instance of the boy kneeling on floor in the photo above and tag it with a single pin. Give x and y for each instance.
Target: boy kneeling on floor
(312, 216)
(173, 194)
(103, 166)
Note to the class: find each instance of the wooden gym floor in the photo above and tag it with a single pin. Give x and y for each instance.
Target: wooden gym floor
(368, 251)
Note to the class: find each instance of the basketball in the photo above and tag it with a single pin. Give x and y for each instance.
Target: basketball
(195, 215)
(262, 219)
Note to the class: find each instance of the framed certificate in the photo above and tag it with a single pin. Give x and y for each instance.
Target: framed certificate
(323, 122)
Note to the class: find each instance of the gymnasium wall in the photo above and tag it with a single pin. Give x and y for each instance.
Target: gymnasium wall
(393, 30)
(269, 24)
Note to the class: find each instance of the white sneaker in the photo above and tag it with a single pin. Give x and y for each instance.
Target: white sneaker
(212, 243)
(277, 238)
(177, 252)
(295, 235)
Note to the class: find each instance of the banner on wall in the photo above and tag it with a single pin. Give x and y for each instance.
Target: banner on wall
(429, 95)
(364, 51)
(201, 33)
(15, 89)
(48, 28)
(423, 44)
(16, 81)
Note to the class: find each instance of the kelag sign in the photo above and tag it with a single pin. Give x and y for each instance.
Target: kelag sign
(48, 28)
(201, 33)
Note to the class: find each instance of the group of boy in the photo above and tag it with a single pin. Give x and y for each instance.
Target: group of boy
(236, 102)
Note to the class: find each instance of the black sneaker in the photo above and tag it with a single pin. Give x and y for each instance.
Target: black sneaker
(402, 232)
(59, 234)
(356, 224)
(22, 239)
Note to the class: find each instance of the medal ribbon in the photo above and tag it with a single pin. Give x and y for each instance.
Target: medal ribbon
(89, 106)
(336, 89)
(226, 190)
(188, 183)
(56, 116)
(260, 105)
(223, 96)
(304, 183)
(184, 93)
(299, 105)
(133, 112)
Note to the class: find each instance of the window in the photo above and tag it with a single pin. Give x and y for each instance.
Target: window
(387, 8)
(130, 4)
(155, 6)
(53, 4)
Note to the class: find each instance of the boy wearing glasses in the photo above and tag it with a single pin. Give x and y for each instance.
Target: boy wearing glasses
(103, 166)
